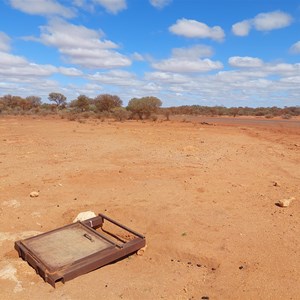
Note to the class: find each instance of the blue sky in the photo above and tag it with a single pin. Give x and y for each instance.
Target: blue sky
(206, 52)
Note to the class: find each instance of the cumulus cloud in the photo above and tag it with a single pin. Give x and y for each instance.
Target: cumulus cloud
(195, 29)
(4, 42)
(115, 77)
(241, 28)
(160, 3)
(112, 6)
(84, 4)
(263, 22)
(245, 62)
(186, 60)
(272, 20)
(14, 67)
(137, 56)
(42, 7)
(82, 46)
(69, 71)
(295, 48)
(165, 77)
(255, 67)
(193, 52)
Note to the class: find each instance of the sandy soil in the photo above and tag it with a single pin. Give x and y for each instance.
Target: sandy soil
(203, 196)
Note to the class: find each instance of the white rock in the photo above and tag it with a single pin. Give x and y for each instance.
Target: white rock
(285, 202)
(34, 194)
(141, 251)
(84, 216)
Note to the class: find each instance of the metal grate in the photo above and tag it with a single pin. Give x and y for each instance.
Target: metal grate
(72, 250)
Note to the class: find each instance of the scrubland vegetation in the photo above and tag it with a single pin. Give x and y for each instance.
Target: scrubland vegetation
(111, 106)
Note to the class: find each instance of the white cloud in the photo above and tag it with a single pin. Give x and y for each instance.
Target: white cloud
(115, 77)
(242, 28)
(195, 29)
(7, 59)
(16, 66)
(255, 67)
(272, 20)
(160, 3)
(282, 69)
(263, 22)
(295, 48)
(84, 4)
(193, 52)
(187, 66)
(245, 62)
(82, 46)
(42, 7)
(4, 42)
(137, 56)
(186, 60)
(164, 77)
(112, 6)
(69, 71)
(292, 79)
(13, 67)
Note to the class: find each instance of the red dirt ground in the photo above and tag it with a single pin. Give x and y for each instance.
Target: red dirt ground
(203, 196)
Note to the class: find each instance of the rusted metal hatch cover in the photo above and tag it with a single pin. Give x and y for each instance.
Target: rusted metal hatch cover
(72, 250)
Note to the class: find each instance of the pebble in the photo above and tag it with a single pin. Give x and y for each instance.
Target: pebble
(84, 216)
(285, 202)
(141, 251)
(34, 194)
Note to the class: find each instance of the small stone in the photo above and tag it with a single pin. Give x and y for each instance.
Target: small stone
(205, 297)
(141, 251)
(198, 265)
(285, 202)
(276, 183)
(241, 267)
(34, 194)
(84, 216)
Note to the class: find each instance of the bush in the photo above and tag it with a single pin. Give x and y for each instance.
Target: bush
(144, 107)
(269, 116)
(286, 116)
(154, 118)
(121, 114)
(106, 102)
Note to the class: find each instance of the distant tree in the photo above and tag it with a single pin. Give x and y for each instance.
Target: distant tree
(106, 102)
(11, 102)
(33, 101)
(82, 103)
(144, 107)
(29, 102)
(58, 98)
(2, 106)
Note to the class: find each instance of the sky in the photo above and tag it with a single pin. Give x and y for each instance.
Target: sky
(185, 52)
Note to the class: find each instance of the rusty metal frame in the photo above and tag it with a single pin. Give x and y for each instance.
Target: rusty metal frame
(115, 248)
